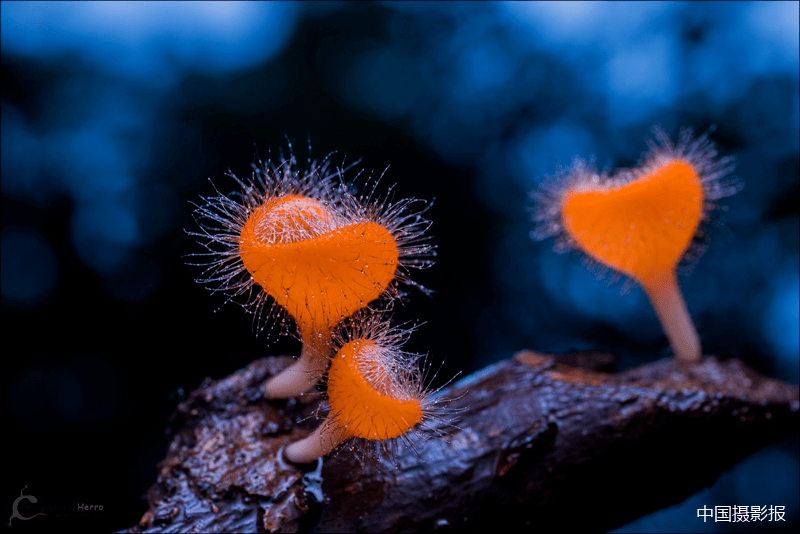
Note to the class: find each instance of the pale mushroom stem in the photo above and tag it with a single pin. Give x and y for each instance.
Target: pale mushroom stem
(302, 376)
(319, 443)
(670, 307)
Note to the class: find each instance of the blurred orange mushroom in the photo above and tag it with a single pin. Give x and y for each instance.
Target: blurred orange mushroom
(642, 222)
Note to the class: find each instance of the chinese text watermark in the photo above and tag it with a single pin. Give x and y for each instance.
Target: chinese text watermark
(742, 514)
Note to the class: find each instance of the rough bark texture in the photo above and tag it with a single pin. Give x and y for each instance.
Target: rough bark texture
(544, 442)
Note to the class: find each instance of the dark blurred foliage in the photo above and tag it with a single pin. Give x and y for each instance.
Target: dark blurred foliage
(115, 115)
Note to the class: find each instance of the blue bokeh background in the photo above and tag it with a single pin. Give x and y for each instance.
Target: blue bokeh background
(114, 116)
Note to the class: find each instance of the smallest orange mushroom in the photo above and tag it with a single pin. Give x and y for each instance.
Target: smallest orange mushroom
(374, 392)
(642, 222)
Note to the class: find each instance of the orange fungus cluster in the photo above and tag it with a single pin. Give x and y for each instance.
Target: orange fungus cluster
(321, 255)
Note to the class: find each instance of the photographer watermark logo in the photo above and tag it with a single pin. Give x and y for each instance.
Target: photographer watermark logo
(15, 507)
(25, 507)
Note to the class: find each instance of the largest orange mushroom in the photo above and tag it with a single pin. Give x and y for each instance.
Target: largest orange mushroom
(642, 222)
(312, 249)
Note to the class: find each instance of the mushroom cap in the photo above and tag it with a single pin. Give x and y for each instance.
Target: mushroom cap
(312, 263)
(370, 394)
(640, 228)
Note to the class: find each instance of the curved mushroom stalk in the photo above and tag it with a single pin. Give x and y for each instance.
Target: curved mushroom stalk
(304, 374)
(319, 443)
(374, 393)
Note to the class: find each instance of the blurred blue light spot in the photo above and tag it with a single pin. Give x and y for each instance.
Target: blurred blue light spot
(701, 291)
(775, 29)
(151, 40)
(711, 76)
(104, 234)
(795, 116)
(570, 27)
(484, 68)
(593, 299)
(94, 165)
(538, 153)
(578, 291)
(642, 79)
(573, 23)
(109, 221)
(781, 320)
(29, 267)
(20, 158)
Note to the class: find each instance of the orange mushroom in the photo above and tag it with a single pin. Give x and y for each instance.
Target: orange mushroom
(375, 392)
(642, 222)
(319, 252)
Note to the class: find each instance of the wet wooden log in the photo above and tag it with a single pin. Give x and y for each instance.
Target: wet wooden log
(540, 442)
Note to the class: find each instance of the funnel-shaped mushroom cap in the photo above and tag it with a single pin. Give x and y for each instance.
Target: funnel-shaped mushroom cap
(641, 228)
(318, 268)
(369, 395)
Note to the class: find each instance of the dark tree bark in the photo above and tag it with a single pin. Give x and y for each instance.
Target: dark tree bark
(540, 442)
